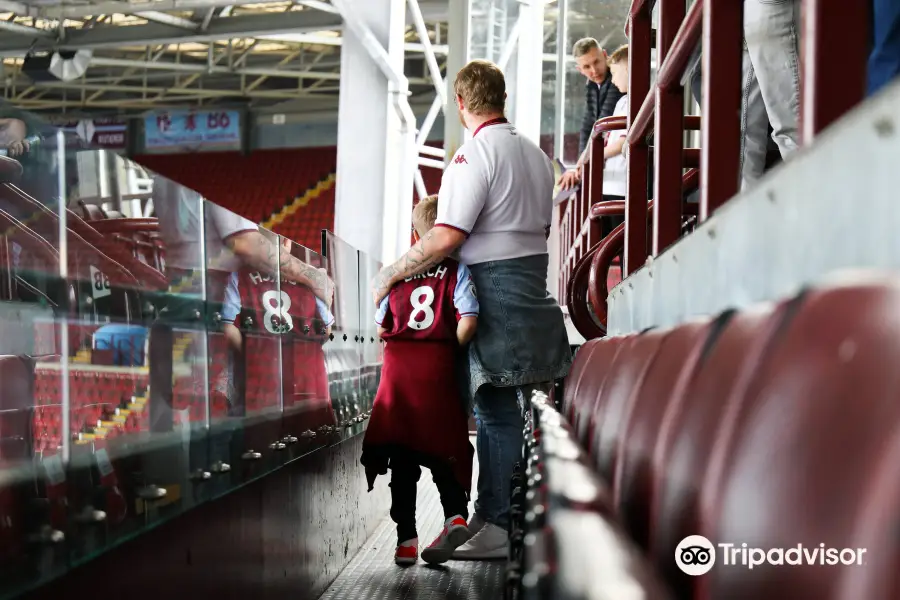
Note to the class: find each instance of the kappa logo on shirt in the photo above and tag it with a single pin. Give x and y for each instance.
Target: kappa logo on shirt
(461, 159)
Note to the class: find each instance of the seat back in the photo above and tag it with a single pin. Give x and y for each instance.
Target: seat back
(678, 356)
(810, 456)
(690, 425)
(580, 363)
(618, 391)
(601, 362)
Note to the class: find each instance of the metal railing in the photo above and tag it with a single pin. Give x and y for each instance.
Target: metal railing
(658, 110)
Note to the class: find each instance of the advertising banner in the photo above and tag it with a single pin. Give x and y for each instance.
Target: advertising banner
(193, 130)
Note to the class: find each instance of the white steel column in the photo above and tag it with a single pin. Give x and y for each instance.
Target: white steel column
(562, 56)
(374, 180)
(458, 43)
(529, 69)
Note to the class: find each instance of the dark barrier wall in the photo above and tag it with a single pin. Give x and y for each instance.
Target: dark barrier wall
(286, 535)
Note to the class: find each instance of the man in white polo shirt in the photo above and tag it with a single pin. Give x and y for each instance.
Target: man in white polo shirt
(495, 205)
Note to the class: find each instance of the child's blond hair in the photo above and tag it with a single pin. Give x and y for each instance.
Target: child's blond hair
(425, 214)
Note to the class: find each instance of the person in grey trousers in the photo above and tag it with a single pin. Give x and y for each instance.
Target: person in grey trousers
(771, 84)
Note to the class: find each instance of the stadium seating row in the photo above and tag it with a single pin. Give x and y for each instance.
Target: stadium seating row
(775, 427)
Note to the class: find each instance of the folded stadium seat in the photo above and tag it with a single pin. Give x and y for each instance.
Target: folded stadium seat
(678, 356)
(590, 387)
(810, 457)
(612, 407)
(690, 425)
(580, 362)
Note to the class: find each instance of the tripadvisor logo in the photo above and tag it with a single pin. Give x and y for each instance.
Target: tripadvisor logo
(695, 555)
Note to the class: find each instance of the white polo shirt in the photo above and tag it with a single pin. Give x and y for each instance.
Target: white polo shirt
(178, 211)
(498, 189)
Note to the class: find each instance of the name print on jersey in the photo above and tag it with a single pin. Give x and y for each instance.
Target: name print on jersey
(438, 273)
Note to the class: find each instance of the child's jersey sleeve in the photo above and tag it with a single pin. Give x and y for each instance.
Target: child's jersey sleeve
(383, 312)
(324, 313)
(464, 298)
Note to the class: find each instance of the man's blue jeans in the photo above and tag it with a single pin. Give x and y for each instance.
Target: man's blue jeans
(499, 422)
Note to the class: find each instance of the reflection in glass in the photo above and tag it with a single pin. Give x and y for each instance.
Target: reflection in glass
(156, 350)
(343, 352)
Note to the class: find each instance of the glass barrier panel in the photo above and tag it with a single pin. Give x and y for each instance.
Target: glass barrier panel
(245, 344)
(372, 346)
(343, 351)
(35, 298)
(309, 321)
(137, 355)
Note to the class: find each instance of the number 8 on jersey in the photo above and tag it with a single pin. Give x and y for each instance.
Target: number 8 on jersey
(421, 299)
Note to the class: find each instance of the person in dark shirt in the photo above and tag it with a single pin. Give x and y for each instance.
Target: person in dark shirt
(600, 102)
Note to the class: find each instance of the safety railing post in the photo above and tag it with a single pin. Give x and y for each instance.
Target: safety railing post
(720, 128)
(823, 22)
(669, 136)
(639, 31)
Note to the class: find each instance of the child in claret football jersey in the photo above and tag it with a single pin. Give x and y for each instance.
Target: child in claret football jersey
(418, 418)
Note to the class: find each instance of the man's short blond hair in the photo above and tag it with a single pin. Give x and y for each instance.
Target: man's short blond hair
(482, 86)
(583, 46)
(620, 56)
(425, 214)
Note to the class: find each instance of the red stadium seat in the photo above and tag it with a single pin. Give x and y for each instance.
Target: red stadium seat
(810, 456)
(590, 386)
(678, 356)
(689, 429)
(622, 383)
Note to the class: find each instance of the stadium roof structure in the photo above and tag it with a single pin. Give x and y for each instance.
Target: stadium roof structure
(135, 56)
(176, 53)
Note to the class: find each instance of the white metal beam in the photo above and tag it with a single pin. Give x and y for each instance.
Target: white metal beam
(434, 10)
(243, 26)
(420, 184)
(18, 8)
(458, 41)
(330, 40)
(438, 152)
(529, 71)
(434, 70)
(25, 30)
(167, 19)
(428, 123)
(99, 61)
(511, 42)
(316, 4)
(562, 52)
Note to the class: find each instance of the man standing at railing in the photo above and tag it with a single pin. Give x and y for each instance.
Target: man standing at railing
(496, 202)
(600, 101)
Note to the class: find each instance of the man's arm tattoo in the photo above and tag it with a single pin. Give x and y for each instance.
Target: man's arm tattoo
(419, 258)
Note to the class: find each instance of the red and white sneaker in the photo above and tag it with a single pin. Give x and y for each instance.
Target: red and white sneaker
(455, 534)
(407, 553)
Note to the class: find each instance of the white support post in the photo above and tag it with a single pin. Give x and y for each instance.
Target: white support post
(458, 42)
(372, 68)
(529, 70)
(562, 54)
